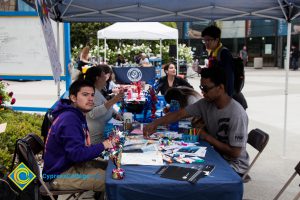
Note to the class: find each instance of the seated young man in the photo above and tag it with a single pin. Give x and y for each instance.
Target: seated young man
(225, 119)
(68, 154)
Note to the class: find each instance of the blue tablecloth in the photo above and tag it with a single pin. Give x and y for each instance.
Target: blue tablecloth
(126, 75)
(142, 183)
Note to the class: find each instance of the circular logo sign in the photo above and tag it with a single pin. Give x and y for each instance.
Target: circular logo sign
(134, 74)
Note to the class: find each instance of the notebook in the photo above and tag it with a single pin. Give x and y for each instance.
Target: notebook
(190, 174)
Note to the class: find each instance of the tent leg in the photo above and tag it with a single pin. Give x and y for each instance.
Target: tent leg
(104, 61)
(98, 56)
(177, 56)
(287, 66)
(58, 53)
(160, 42)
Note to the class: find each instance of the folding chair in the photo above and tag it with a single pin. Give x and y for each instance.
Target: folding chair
(297, 171)
(258, 139)
(30, 146)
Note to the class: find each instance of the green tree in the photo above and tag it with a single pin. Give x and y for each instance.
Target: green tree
(85, 33)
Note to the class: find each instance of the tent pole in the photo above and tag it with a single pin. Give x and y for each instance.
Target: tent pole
(104, 61)
(177, 56)
(286, 85)
(98, 56)
(160, 43)
(58, 53)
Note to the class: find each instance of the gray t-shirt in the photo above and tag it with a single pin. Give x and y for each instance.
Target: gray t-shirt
(229, 125)
(98, 117)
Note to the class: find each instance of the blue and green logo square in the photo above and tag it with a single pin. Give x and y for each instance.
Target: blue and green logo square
(22, 176)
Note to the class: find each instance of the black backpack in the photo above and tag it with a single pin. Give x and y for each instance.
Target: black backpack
(47, 122)
(8, 192)
(238, 71)
(31, 192)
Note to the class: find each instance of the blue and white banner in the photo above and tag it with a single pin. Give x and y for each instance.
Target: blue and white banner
(126, 75)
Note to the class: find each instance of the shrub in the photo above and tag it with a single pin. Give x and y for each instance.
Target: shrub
(18, 125)
(5, 97)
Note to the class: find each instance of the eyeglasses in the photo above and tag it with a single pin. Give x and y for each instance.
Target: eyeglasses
(207, 41)
(205, 88)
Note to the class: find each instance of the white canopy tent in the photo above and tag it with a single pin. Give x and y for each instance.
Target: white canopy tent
(139, 31)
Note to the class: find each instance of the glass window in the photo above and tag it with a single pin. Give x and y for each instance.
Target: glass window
(22, 6)
(8, 5)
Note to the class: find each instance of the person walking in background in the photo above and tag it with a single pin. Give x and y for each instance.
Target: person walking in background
(244, 55)
(294, 57)
(170, 80)
(83, 58)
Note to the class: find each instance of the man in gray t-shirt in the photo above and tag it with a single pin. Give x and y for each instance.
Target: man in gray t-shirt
(225, 119)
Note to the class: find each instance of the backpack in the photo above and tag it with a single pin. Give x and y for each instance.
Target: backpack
(31, 192)
(238, 72)
(7, 190)
(47, 122)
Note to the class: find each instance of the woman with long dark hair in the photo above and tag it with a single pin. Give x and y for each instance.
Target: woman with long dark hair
(110, 87)
(170, 80)
(103, 110)
(185, 96)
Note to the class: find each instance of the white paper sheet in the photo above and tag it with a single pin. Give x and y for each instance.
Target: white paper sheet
(148, 158)
(115, 122)
(192, 151)
(3, 127)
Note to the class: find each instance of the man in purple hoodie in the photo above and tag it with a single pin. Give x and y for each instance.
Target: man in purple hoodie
(68, 159)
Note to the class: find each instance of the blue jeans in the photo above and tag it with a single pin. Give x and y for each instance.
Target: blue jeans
(294, 63)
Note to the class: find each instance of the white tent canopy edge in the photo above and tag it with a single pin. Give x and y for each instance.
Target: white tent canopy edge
(138, 31)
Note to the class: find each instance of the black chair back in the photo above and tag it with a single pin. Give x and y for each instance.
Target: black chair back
(297, 168)
(258, 139)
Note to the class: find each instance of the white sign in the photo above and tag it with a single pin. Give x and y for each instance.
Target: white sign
(49, 39)
(268, 48)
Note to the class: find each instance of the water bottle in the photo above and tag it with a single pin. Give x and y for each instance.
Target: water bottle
(174, 106)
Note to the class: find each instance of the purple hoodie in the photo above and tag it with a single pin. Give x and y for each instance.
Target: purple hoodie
(66, 141)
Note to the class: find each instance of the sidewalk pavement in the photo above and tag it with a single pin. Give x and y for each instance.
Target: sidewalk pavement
(264, 91)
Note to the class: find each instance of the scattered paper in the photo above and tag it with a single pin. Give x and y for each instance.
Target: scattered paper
(134, 145)
(192, 151)
(3, 127)
(137, 132)
(150, 147)
(148, 158)
(115, 122)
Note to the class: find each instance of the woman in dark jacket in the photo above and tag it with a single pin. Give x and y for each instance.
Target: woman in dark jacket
(170, 80)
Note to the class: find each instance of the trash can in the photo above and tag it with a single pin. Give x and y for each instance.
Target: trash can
(183, 69)
(258, 63)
